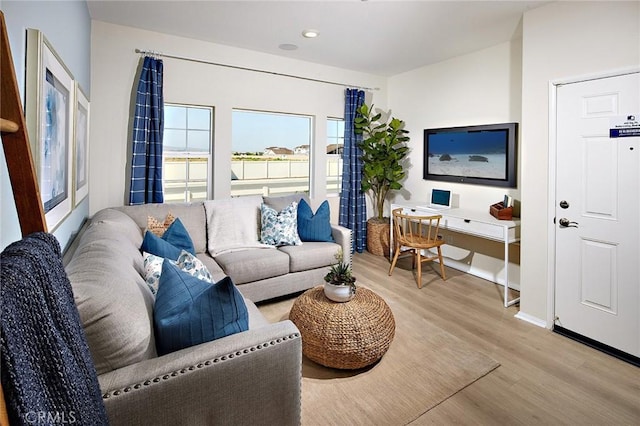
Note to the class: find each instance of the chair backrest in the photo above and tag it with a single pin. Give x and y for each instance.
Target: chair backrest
(415, 230)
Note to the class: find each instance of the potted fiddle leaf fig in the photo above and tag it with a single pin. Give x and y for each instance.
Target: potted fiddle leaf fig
(384, 151)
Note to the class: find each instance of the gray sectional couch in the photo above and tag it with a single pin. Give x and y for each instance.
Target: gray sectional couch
(252, 377)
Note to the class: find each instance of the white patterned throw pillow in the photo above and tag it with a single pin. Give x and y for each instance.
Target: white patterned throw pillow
(152, 270)
(280, 228)
(186, 262)
(194, 266)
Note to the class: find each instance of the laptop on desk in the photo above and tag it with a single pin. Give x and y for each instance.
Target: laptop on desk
(440, 200)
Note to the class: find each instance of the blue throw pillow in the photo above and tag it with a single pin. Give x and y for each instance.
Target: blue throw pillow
(173, 241)
(314, 227)
(189, 311)
(159, 247)
(177, 235)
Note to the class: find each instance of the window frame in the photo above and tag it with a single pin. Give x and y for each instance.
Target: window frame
(190, 155)
(338, 137)
(267, 189)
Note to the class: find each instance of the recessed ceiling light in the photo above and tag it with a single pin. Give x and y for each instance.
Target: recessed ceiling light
(288, 46)
(310, 33)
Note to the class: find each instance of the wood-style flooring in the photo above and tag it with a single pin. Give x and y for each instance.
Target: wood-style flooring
(543, 379)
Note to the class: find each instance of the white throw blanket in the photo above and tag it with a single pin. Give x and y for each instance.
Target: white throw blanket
(233, 224)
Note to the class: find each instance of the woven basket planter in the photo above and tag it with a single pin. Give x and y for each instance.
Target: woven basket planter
(378, 236)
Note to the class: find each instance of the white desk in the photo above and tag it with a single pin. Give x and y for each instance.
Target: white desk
(473, 222)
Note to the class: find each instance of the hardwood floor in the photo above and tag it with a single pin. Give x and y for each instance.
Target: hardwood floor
(544, 378)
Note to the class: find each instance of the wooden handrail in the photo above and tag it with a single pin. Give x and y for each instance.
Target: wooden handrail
(17, 150)
(7, 126)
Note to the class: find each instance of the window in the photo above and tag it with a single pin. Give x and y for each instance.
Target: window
(186, 152)
(335, 147)
(270, 153)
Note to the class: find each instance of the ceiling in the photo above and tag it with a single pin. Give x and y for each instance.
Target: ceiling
(378, 37)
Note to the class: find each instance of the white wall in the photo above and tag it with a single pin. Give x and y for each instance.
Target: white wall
(67, 26)
(480, 88)
(114, 70)
(561, 40)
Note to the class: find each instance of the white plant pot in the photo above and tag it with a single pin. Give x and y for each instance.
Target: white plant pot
(338, 293)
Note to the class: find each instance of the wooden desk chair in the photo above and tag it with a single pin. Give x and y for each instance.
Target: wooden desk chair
(412, 233)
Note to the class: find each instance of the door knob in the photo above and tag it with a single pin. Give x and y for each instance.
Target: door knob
(566, 223)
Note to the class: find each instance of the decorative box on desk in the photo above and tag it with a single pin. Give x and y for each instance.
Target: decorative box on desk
(500, 212)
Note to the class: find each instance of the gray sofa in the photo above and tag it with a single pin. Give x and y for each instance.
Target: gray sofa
(252, 377)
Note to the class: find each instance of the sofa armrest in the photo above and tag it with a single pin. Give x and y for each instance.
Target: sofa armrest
(342, 236)
(253, 377)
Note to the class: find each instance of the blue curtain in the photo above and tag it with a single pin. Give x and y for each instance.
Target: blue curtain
(148, 126)
(353, 208)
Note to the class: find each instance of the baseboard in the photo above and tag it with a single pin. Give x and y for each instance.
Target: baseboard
(531, 319)
(617, 353)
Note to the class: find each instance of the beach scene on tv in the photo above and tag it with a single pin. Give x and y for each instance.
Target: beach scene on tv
(477, 154)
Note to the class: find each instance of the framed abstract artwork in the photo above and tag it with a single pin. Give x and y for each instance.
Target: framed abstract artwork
(50, 108)
(81, 147)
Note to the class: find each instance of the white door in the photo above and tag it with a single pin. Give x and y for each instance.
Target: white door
(597, 288)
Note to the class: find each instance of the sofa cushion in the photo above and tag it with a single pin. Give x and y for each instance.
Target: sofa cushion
(279, 202)
(310, 255)
(114, 302)
(279, 228)
(189, 311)
(233, 224)
(191, 214)
(314, 227)
(252, 265)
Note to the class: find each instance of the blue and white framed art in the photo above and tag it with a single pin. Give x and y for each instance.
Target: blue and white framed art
(81, 147)
(50, 107)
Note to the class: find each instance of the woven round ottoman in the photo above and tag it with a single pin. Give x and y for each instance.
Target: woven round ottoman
(347, 335)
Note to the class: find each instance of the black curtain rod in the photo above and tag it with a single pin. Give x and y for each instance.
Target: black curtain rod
(201, 61)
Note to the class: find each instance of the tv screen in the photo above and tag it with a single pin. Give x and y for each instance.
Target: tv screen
(483, 155)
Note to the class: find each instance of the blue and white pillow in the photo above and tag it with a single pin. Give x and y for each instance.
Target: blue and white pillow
(280, 228)
(186, 262)
(152, 270)
(193, 266)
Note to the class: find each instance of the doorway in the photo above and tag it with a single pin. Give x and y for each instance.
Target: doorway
(597, 213)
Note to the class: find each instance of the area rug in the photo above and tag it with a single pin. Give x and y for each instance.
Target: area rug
(424, 366)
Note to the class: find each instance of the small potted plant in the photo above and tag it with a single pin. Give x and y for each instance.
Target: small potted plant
(340, 285)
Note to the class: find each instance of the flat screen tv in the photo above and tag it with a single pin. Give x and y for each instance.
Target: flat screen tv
(482, 155)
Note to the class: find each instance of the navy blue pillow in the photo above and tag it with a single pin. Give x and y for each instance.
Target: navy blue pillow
(156, 245)
(189, 311)
(173, 241)
(314, 227)
(177, 235)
